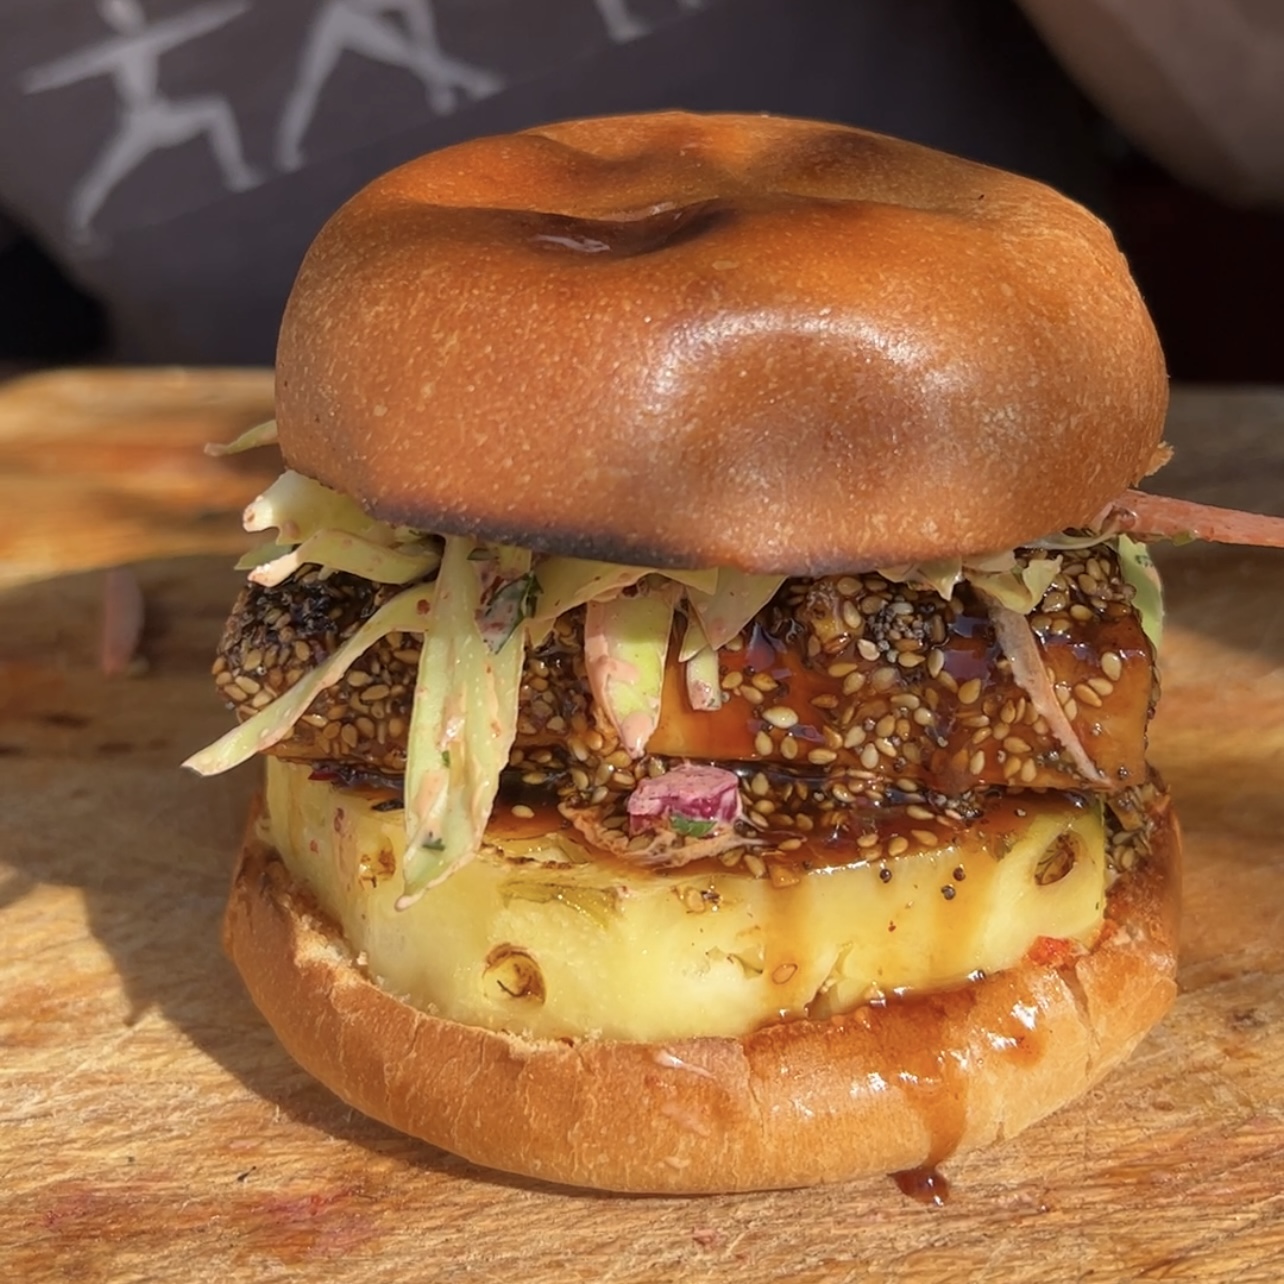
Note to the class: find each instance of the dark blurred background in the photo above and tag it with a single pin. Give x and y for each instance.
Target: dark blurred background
(1091, 104)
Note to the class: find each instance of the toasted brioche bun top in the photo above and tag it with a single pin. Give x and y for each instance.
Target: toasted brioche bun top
(747, 341)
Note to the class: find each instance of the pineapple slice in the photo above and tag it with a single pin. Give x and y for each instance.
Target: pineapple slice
(536, 937)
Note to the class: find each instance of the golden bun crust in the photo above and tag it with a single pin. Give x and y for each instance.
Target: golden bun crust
(880, 1090)
(745, 341)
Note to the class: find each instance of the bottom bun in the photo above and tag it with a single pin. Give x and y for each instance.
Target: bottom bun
(884, 1088)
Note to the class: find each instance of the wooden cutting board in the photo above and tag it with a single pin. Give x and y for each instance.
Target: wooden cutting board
(150, 1127)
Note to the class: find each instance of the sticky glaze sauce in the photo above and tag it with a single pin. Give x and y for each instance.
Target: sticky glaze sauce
(925, 1185)
(944, 752)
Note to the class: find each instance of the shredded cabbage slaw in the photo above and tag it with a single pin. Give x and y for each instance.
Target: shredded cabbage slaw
(478, 606)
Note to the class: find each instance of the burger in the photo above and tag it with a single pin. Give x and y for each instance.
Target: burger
(704, 655)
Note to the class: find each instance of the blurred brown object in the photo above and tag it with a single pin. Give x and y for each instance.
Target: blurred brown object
(104, 467)
(1197, 84)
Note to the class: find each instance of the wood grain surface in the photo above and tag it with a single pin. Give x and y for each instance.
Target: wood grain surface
(104, 467)
(151, 1128)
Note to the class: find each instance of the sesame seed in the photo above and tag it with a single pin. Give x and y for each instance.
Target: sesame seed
(781, 716)
(854, 738)
(1014, 744)
(976, 764)
(1102, 686)
(915, 812)
(869, 757)
(523, 812)
(789, 748)
(867, 649)
(763, 745)
(898, 846)
(1112, 665)
(1086, 695)
(821, 757)
(841, 669)
(764, 682)
(853, 683)
(732, 679)
(1029, 770)
(925, 837)
(970, 691)
(784, 972)
(751, 694)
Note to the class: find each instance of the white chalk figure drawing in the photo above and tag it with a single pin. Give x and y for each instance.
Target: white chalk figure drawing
(146, 121)
(623, 25)
(401, 33)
